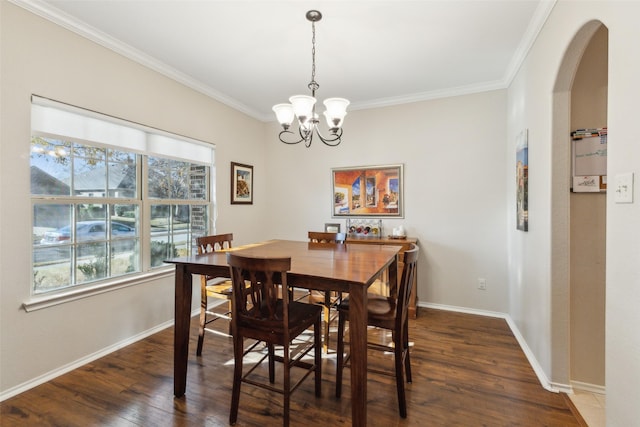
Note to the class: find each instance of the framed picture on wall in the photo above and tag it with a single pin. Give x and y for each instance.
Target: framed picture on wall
(522, 181)
(367, 191)
(241, 184)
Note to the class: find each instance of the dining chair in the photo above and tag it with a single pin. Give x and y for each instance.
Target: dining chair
(328, 300)
(388, 313)
(260, 312)
(214, 287)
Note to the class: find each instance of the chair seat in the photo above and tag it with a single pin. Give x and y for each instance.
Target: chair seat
(318, 297)
(221, 289)
(378, 307)
(300, 316)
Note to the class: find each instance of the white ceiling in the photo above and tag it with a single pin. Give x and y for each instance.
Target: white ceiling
(253, 54)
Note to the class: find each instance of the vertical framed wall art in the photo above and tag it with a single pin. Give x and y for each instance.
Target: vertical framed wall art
(241, 184)
(522, 181)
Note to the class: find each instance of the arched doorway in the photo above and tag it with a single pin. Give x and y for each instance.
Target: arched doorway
(566, 340)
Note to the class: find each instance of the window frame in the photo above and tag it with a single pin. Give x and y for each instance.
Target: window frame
(157, 140)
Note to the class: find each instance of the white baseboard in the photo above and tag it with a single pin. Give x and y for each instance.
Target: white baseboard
(462, 310)
(591, 388)
(542, 376)
(544, 381)
(13, 391)
(82, 361)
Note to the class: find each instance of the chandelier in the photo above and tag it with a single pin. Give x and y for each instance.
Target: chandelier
(302, 107)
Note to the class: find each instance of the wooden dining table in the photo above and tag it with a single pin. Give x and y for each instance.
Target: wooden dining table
(344, 268)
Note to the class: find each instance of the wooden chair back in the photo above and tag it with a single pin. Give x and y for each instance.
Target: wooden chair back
(326, 237)
(262, 311)
(220, 289)
(257, 301)
(405, 287)
(218, 242)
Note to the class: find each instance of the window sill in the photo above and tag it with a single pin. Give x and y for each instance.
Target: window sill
(39, 302)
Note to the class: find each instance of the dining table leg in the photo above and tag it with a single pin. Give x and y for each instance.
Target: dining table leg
(358, 344)
(183, 283)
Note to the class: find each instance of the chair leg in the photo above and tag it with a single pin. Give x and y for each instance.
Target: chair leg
(229, 311)
(326, 322)
(340, 355)
(318, 358)
(407, 358)
(203, 322)
(238, 353)
(286, 384)
(272, 363)
(399, 363)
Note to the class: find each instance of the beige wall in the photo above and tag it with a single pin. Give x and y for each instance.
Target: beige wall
(538, 100)
(41, 58)
(452, 149)
(459, 155)
(588, 228)
(453, 155)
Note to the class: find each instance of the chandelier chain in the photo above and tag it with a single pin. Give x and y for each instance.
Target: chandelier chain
(313, 85)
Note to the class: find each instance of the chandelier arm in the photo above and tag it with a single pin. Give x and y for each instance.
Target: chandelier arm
(280, 136)
(307, 137)
(331, 141)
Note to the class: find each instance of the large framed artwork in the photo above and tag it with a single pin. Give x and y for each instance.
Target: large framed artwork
(368, 191)
(522, 181)
(241, 184)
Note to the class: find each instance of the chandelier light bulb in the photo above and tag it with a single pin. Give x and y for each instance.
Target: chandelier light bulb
(336, 111)
(284, 114)
(303, 106)
(334, 122)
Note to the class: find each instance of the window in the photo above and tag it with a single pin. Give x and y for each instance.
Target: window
(111, 198)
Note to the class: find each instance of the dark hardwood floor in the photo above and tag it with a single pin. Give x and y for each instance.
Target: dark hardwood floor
(467, 371)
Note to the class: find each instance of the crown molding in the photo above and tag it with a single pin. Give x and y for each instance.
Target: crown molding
(429, 96)
(528, 39)
(63, 19)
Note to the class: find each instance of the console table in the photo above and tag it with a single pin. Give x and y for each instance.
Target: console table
(406, 245)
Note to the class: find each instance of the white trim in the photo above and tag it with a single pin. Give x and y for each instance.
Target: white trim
(591, 388)
(531, 34)
(428, 96)
(38, 302)
(537, 368)
(463, 310)
(71, 23)
(20, 388)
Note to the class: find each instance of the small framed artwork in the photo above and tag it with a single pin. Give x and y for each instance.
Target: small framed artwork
(373, 191)
(241, 184)
(522, 181)
(332, 228)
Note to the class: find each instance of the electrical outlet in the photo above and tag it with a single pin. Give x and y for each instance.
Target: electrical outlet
(482, 284)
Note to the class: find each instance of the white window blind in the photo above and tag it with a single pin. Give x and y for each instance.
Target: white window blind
(56, 118)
